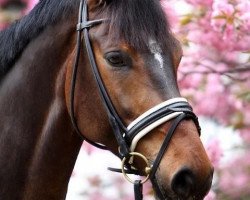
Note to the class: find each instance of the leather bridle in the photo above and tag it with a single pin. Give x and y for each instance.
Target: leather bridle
(127, 137)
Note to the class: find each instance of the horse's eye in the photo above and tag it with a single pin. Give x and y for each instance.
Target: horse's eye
(116, 59)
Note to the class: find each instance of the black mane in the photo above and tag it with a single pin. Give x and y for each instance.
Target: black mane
(133, 21)
(14, 39)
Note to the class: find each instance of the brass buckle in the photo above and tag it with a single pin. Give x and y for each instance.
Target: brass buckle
(147, 168)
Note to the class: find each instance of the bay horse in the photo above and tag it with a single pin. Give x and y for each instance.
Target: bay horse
(112, 83)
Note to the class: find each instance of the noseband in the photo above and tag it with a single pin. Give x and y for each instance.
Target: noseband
(176, 109)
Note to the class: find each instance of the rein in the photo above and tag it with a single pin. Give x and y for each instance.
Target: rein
(176, 109)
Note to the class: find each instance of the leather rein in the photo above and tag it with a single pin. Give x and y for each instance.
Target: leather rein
(176, 109)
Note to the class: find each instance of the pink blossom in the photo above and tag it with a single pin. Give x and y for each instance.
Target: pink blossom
(214, 152)
(147, 188)
(222, 8)
(171, 15)
(97, 196)
(246, 114)
(243, 7)
(200, 2)
(245, 22)
(243, 15)
(3, 26)
(30, 5)
(235, 177)
(193, 82)
(89, 148)
(234, 184)
(210, 196)
(3, 2)
(245, 134)
(211, 98)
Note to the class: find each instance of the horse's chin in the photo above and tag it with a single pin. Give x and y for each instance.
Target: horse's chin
(178, 198)
(174, 197)
(163, 193)
(168, 194)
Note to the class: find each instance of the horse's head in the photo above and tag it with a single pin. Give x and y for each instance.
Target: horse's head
(137, 58)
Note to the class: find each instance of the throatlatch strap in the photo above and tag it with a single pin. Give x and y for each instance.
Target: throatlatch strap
(138, 190)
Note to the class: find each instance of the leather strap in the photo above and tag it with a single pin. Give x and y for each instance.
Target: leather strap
(165, 144)
(72, 89)
(138, 190)
(127, 171)
(115, 121)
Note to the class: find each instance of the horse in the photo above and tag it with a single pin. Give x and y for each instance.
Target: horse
(102, 71)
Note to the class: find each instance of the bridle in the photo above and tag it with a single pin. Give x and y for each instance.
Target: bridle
(127, 137)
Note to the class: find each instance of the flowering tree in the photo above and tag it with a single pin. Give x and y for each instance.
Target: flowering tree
(214, 75)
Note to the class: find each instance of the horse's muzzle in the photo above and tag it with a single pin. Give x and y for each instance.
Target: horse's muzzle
(184, 186)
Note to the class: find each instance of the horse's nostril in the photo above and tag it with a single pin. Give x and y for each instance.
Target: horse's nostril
(183, 182)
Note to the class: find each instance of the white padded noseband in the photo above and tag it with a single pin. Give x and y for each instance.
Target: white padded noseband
(160, 121)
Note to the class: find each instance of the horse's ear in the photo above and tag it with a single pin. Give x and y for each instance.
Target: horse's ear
(93, 4)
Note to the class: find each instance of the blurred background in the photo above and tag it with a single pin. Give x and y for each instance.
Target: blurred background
(214, 75)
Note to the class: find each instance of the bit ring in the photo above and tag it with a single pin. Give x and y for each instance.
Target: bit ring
(147, 168)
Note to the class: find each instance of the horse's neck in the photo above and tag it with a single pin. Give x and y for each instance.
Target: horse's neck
(38, 148)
